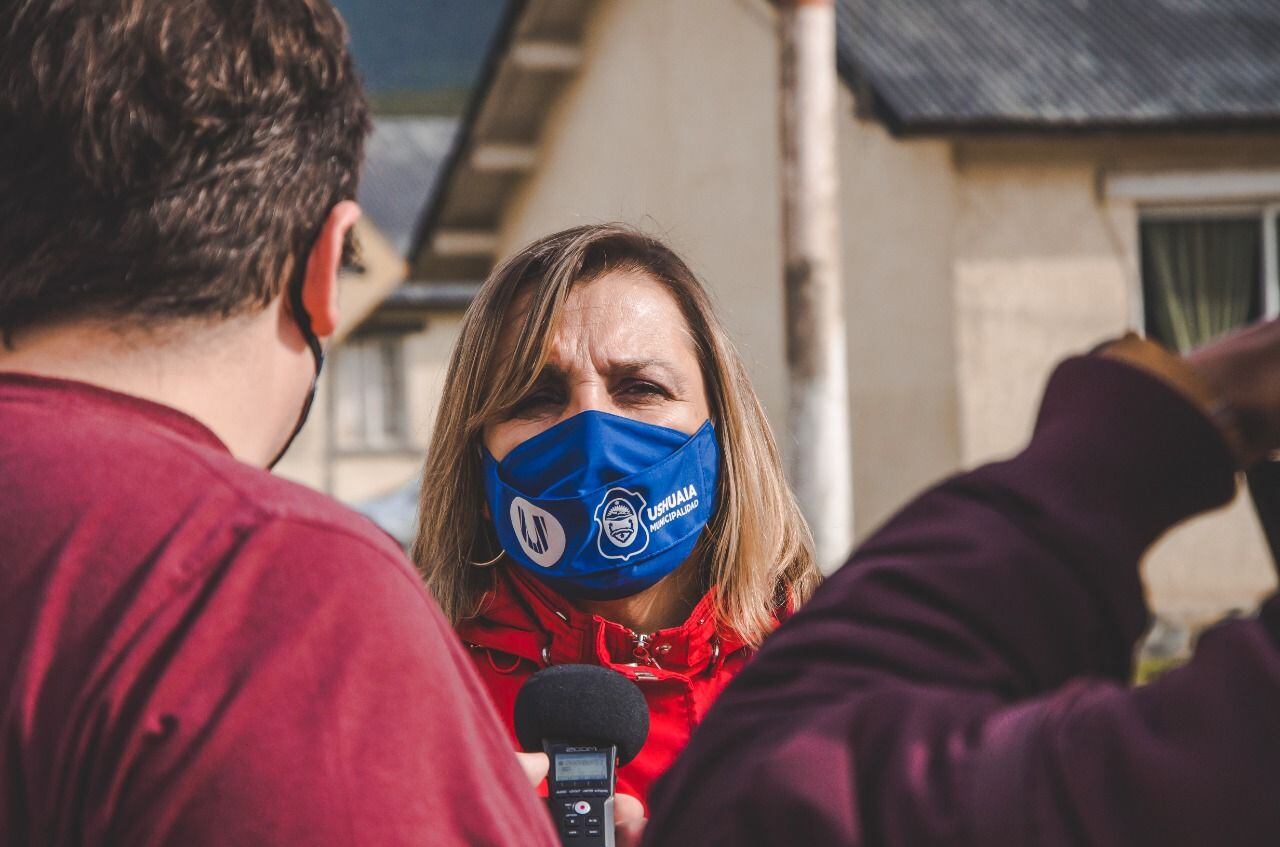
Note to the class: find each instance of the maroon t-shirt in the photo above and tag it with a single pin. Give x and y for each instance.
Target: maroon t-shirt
(193, 651)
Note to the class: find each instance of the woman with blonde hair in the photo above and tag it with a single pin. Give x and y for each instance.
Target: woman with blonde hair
(602, 485)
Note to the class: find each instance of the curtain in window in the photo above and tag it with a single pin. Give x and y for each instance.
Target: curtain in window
(1200, 278)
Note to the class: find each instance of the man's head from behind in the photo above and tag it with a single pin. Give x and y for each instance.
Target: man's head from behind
(164, 161)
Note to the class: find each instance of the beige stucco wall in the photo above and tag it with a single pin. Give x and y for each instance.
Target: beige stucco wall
(900, 214)
(1046, 265)
(677, 133)
(1038, 274)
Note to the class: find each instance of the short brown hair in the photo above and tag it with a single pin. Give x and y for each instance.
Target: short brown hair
(757, 552)
(164, 159)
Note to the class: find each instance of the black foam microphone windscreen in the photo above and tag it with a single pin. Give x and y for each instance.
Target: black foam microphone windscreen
(584, 703)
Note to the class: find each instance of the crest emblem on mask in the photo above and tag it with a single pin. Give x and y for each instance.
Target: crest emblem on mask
(540, 535)
(622, 532)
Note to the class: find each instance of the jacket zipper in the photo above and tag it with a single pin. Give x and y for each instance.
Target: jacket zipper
(641, 649)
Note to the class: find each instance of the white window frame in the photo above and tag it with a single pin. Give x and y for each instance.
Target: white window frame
(1205, 194)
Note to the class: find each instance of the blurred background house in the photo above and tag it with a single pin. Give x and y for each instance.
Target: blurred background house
(367, 435)
(1021, 179)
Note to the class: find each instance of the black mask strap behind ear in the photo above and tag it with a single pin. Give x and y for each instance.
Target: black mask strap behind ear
(303, 320)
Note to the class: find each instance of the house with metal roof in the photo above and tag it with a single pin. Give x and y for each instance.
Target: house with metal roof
(1020, 179)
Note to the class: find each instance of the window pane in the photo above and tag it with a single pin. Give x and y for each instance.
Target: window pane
(392, 363)
(373, 390)
(348, 387)
(1200, 278)
(368, 383)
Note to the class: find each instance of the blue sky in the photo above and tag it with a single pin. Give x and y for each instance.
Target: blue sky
(420, 45)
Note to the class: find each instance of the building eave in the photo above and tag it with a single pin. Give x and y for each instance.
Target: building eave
(536, 52)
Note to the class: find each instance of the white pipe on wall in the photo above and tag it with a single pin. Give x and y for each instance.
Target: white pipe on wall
(820, 428)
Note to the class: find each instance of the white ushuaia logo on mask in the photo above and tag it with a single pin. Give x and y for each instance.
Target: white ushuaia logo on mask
(540, 535)
(622, 531)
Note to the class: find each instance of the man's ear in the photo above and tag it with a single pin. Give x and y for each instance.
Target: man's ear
(320, 286)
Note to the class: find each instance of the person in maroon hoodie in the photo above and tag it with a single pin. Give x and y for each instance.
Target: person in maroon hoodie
(964, 679)
(193, 651)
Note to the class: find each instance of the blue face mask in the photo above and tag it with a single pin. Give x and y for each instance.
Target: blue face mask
(601, 506)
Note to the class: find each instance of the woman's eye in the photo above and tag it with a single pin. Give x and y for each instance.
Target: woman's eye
(535, 402)
(639, 389)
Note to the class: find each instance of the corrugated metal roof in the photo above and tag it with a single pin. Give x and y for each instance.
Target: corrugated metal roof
(403, 158)
(1064, 64)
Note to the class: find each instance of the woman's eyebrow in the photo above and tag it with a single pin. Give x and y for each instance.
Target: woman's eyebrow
(631, 367)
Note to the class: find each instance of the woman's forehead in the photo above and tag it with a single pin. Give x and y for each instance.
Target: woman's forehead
(619, 318)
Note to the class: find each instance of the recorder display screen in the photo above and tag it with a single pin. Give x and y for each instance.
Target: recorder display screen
(577, 766)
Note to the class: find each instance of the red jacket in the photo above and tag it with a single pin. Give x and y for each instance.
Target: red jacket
(525, 626)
